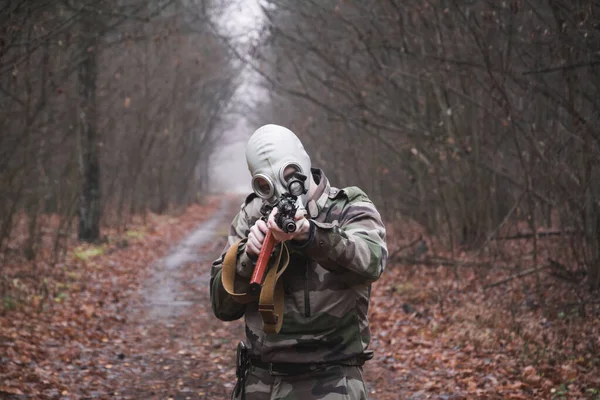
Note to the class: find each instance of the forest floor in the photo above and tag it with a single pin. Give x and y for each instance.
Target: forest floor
(131, 319)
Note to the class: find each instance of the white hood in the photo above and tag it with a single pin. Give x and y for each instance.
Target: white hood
(270, 150)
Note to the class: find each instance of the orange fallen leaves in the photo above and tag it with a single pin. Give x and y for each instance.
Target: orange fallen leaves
(435, 331)
(530, 376)
(65, 336)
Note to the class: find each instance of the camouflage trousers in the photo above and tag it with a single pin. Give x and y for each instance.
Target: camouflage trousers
(334, 382)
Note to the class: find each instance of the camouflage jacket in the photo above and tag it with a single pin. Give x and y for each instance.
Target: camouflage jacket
(327, 283)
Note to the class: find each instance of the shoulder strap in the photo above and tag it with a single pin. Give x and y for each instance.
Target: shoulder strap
(228, 275)
(248, 199)
(271, 300)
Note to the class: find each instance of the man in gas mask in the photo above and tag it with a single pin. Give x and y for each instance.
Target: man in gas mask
(334, 254)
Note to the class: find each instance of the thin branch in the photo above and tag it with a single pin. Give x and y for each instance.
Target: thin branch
(521, 274)
(530, 235)
(436, 262)
(563, 68)
(408, 246)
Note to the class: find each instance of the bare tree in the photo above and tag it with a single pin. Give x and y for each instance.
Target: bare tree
(108, 109)
(469, 115)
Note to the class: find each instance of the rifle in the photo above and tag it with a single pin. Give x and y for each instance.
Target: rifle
(285, 219)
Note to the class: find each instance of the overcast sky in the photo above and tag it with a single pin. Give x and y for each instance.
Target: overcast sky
(229, 171)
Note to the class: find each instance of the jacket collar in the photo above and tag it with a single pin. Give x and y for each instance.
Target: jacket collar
(319, 198)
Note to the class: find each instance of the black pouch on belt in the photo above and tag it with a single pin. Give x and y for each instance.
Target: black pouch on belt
(241, 365)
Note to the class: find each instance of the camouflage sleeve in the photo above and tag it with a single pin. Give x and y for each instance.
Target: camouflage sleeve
(223, 305)
(353, 246)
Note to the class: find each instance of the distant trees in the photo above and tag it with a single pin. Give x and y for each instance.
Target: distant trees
(107, 109)
(465, 115)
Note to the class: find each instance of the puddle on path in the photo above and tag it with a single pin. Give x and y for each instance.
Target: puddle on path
(164, 294)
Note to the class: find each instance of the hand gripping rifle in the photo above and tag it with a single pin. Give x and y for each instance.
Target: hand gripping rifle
(285, 220)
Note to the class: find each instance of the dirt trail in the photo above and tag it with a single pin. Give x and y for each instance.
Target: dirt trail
(165, 295)
(178, 349)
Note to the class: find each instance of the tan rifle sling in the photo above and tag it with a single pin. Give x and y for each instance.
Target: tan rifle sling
(271, 300)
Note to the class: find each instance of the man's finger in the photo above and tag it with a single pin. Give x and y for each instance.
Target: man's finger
(300, 224)
(262, 226)
(252, 249)
(300, 213)
(256, 242)
(271, 219)
(281, 237)
(256, 232)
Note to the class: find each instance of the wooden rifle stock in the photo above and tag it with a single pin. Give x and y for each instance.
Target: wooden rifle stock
(261, 264)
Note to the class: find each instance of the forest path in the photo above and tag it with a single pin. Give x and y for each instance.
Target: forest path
(179, 349)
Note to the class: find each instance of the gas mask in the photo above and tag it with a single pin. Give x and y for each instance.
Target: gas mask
(279, 165)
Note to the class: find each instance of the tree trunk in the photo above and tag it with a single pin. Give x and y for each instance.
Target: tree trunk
(89, 206)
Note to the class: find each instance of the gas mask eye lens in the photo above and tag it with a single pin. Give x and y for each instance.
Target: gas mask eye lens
(293, 179)
(289, 173)
(262, 186)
